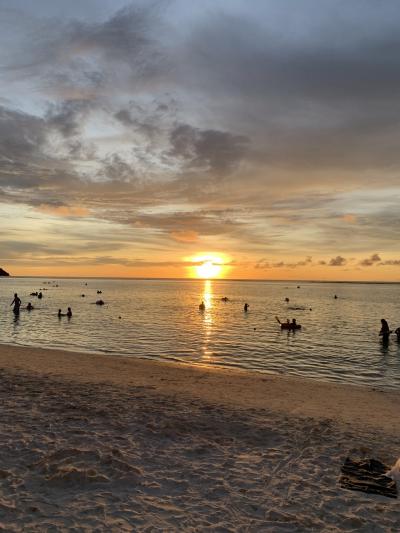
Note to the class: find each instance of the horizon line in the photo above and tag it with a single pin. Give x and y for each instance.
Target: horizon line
(207, 279)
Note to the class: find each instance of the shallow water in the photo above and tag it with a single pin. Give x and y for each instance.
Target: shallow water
(160, 319)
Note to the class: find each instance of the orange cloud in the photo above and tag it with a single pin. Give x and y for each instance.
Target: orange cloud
(351, 219)
(64, 210)
(185, 236)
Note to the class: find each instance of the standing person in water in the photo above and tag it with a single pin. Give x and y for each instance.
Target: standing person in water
(385, 331)
(69, 312)
(246, 307)
(17, 304)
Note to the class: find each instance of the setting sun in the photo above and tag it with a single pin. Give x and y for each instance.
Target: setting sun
(208, 266)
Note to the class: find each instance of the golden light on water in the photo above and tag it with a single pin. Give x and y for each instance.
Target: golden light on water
(207, 319)
(208, 266)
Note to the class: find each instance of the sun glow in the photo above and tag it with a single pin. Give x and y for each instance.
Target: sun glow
(208, 266)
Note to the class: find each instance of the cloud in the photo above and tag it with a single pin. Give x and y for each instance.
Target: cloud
(211, 150)
(260, 131)
(264, 264)
(390, 262)
(337, 261)
(370, 261)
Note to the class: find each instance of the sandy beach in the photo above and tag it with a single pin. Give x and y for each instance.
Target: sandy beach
(97, 443)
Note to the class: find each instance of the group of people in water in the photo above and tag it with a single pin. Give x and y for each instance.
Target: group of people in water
(386, 331)
(17, 306)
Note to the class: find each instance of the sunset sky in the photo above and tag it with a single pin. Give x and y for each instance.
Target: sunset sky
(150, 138)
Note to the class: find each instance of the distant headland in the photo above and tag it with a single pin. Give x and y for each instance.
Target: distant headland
(3, 272)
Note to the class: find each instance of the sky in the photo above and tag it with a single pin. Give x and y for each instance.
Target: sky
(148, 139)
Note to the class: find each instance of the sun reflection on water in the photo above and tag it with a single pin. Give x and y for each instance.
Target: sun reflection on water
(207, 319)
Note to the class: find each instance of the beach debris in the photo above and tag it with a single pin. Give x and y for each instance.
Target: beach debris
(394, 472)
(367, 475)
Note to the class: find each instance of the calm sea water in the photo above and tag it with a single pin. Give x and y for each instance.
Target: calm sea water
(160, 319)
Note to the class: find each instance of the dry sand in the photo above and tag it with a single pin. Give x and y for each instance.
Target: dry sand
(96, 443)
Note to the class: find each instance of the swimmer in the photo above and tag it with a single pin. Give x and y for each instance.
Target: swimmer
(385, 331)
(202, 306)
(29, 307)
(17, 304)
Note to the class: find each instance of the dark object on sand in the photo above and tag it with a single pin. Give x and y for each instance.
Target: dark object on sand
(367, 475)
(3, 272)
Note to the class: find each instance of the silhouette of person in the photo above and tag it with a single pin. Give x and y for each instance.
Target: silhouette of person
(293, 324)
(397, 331)
(246, 307)
(202, 306)
(17, 304)
(69, 312)
(385, 331)
(40, 295)
(29, 307)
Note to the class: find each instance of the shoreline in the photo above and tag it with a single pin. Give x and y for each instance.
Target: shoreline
(237, 388)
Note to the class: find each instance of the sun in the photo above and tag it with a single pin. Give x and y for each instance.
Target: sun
(208, 270)
(208, 266)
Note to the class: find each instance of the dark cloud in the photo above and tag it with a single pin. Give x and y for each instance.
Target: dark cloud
(264, 264)
(68, 116)
(390, 262)
(210, 150)
(370, 261)
(337, 261)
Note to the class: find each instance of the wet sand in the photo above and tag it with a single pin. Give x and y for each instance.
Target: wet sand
(97, 443)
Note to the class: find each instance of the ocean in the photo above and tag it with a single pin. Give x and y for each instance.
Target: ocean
(160, 319)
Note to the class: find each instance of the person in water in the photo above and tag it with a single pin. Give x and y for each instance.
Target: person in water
(69, 312)
(293, 324)
(17, 304)
(246, 307)
(397, 331)
(385, 331)
(202, 306)
(29, 307)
